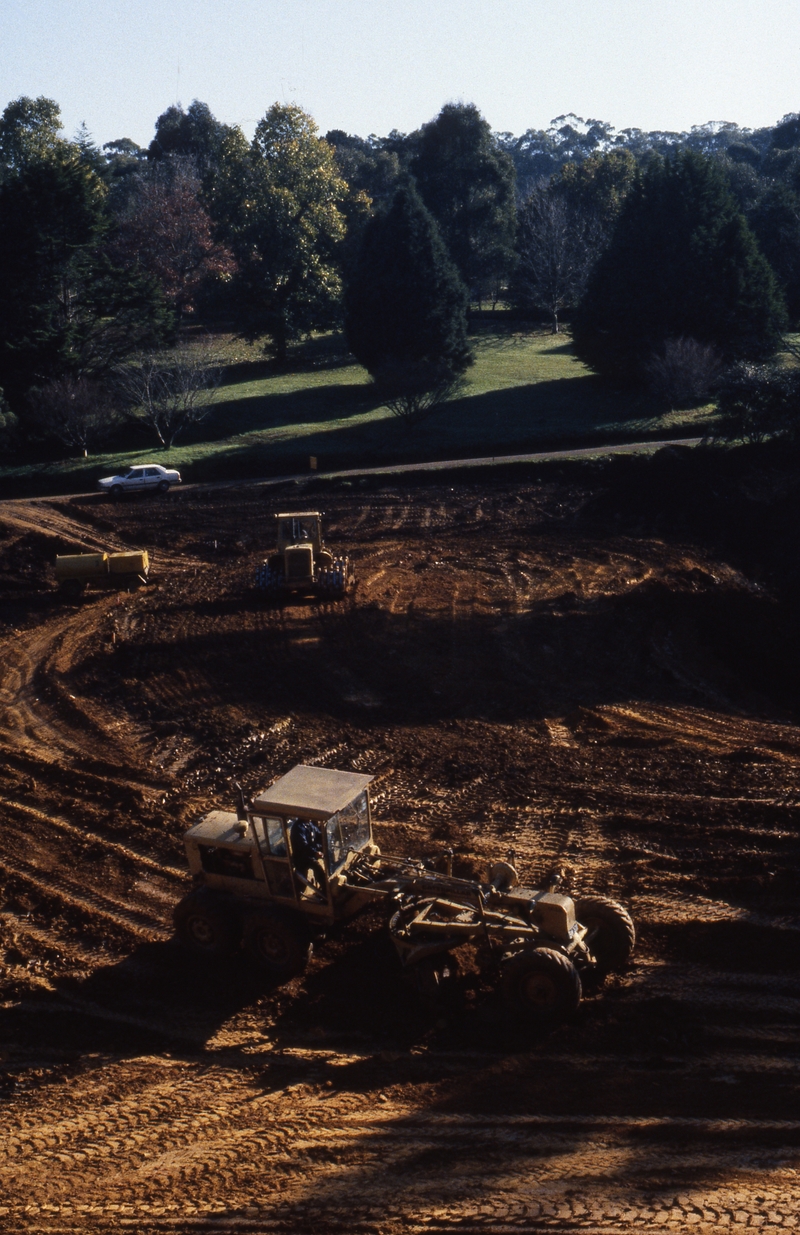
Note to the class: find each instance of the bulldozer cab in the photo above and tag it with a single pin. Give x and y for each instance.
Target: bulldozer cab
(295, 838)
(299, 528)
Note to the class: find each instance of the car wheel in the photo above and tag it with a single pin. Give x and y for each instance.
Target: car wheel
(116, 492)
(163, 486)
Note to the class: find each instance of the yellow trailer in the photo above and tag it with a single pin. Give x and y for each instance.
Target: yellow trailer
(126, 570)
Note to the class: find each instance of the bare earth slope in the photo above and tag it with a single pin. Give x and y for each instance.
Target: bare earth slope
(516, 675)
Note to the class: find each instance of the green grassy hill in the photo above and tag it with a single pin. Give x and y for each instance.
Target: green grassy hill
(525, 391)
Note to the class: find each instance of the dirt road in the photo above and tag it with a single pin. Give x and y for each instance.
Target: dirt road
(518, 674)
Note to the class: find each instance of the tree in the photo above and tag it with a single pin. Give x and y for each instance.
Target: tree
(8, 426)
(166, 230)
(77, 411)
(280, 202)
(557, 245)
(776, 223)
(467, 180)
(598, 185)
(405, 309)
(29, 132)
(170, 392)
(64, 306)
(193, 134)
(366, 165)
(682, 263)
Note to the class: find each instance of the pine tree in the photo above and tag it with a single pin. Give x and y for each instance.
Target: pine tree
(405, 308)
(682, 263)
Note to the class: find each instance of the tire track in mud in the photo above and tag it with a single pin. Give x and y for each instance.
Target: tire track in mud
(89, 902)
(59, 828)
(296, 1159)
(235, 1137)
(42, 717)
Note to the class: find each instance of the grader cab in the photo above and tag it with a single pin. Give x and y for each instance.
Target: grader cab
(301, 562)
(301, 856)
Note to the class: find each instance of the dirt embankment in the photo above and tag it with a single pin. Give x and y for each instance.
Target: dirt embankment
(600, 675)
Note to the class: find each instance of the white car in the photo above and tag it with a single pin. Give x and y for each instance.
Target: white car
(149, 476)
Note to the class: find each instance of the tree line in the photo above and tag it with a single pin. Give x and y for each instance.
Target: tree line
(674, 255)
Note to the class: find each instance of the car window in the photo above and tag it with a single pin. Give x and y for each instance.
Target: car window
(135, 471)
(150, 471)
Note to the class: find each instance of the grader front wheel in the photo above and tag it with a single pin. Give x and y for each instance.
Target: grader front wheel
(541, 985)
(611, 935)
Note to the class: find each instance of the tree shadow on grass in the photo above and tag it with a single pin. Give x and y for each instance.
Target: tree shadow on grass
(540, 416)
(312, 405)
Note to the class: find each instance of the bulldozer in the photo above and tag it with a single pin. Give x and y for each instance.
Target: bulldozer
(300, 856)
(301, 563)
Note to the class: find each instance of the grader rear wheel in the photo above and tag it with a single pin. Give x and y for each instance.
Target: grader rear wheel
(205, 926)
(279, 945)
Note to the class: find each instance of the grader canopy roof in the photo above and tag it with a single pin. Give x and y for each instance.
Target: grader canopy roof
(315, 792)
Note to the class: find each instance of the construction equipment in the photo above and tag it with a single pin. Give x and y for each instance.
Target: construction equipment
(301, 563)
(119, 571)
(301, 856)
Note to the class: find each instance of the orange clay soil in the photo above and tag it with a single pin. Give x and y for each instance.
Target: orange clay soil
(519, 668)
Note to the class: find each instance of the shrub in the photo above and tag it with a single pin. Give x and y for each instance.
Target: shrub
(683, 371)
(756, 402)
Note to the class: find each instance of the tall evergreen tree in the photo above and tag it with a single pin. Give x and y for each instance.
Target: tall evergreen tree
(776, 223)
(405, 307)
(467, 181)
(682, 262)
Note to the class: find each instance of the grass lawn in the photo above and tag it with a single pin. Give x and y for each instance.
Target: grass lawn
(525, 391)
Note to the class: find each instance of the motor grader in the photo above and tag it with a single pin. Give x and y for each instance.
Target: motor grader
(300, 856)
(301, 563)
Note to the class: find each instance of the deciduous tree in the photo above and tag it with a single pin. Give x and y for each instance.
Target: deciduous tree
(558, 243)
(166, 230)
(77, 411)
(170, 392)
(280, 206)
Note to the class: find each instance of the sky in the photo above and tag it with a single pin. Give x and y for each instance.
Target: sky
(370, 66)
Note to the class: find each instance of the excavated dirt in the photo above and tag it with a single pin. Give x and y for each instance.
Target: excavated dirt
(530, 665)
